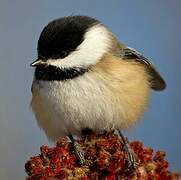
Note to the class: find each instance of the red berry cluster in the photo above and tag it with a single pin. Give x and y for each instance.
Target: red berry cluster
(106, 159)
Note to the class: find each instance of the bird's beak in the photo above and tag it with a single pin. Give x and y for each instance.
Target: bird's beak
(37, 62)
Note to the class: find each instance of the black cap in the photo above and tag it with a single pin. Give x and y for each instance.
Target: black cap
(62, 36)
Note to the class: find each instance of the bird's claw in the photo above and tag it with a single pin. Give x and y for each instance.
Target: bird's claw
(79, 153)
(77, 150)
(131, 162)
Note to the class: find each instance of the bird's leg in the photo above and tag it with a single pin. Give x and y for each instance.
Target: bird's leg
(77, 150)
(132, 163)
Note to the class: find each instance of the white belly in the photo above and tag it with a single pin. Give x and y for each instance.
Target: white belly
(67, 107)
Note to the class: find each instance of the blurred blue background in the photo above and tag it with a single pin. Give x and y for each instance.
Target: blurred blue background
(151, 27)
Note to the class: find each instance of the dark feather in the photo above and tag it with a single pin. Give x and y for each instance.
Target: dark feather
(52, 73)
(157, 82)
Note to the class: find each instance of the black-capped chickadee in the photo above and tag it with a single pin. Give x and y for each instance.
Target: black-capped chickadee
(86, 78)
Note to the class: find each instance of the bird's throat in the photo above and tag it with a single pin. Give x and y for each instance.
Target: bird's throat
(52, 73)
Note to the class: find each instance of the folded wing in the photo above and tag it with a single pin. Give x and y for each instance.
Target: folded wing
(157, 82)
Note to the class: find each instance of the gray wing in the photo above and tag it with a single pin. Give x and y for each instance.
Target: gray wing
(157, 82)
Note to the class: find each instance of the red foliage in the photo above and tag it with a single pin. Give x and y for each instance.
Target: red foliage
(106, 159)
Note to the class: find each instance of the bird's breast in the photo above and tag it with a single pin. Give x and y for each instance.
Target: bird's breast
(95, 101)
(68, 107)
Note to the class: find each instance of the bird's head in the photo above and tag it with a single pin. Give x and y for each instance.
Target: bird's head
(73, 41)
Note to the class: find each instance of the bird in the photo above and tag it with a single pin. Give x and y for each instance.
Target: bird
(85, 78)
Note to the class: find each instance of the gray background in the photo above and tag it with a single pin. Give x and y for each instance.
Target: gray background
(152, 27)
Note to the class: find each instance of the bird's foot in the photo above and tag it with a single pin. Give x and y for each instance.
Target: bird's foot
(78, 151)
(131, 162)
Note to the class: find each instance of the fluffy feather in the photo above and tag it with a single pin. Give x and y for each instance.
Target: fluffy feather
(96, 43)
(102, 99)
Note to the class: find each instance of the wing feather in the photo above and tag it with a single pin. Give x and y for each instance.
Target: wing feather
(157, 82)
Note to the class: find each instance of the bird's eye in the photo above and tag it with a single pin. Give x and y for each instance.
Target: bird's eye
(63, 54)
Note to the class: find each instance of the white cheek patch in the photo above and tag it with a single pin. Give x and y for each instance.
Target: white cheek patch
(96, 43)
